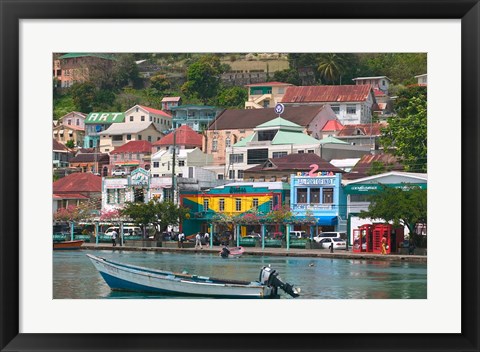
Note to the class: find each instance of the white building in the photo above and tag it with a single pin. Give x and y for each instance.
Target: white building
(380, 82)
(422, 79)
(188, 163)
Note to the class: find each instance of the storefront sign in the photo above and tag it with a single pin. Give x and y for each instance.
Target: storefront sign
(104, 117)
(238, 190)
(367, 188)
(314, 172)
(139, 177)
(315, 181)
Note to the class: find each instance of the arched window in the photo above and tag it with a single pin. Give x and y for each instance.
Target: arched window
(214, 144)
(228, 143)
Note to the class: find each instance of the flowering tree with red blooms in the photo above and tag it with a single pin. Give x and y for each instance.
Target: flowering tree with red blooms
(249, 218)
(280, 214)
(112, 215)
(70, 214)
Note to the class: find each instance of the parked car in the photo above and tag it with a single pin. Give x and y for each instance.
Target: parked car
(119, 172)
(341, 235)
(253, 234)
(127, 230)
(298, 234)
(337, 243)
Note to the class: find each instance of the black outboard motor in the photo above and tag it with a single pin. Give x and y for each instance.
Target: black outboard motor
(269, 277)
(225, 252)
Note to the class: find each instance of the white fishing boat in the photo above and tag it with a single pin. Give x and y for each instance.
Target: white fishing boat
(126, 277)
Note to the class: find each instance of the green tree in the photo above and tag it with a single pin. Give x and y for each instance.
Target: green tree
(124, 71)
(70, 144)
(83, 95)
(333, 67)
(406, 134)
(405, 207)
(203, 78)
(160, 214)
(288, 76)
(233, 97)
(160, 83)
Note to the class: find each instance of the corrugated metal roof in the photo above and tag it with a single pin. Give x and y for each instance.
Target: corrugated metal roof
(362, 168)
(366, 129)
(134, 147)
(155, 111)
(231, 119)
(58, 147)
(376, 77)
(185, 135)
(167, 99)
(332, 125)
(126, 127)
(274, 83)
(327, 94)
(296, 162)
(90, 157)
(78, 182)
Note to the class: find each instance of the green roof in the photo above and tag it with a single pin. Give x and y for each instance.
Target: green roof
(332, 140)
(286, 137)
(278, 122)
(243, 142)
(76, 55)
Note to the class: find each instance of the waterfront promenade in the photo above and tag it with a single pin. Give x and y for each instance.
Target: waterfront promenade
(292, 252)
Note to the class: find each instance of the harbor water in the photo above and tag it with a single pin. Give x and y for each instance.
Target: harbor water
(75, 277)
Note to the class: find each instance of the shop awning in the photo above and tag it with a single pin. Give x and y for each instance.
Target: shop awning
(55, 132)
(327, 220)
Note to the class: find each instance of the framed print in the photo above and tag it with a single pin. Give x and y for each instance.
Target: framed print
(37, 316)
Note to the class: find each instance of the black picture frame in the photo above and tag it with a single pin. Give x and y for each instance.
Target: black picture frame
(13, 11)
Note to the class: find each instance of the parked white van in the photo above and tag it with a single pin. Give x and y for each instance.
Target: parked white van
(341, 235)
(127, 230)
(297, 234)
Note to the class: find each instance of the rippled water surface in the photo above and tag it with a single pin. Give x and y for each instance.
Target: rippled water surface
(74, 276)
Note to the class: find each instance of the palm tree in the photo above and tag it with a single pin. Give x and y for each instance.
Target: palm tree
(331, 66)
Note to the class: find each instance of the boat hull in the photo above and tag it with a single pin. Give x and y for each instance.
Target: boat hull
(68, 244)
(132, 278)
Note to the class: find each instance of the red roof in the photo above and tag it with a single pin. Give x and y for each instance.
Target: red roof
(378, 92)
(268, 84)
(155, 111)
(70, 196)
(57, 146)
(365, 129)
(184, 136)
(323, 94)
(364, 165)
(134, 147)
(332, 125)
(78, 182)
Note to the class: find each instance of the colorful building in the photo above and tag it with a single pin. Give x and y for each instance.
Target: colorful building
(197, 117)
(320, 196)
(231, 199)
(97, 122)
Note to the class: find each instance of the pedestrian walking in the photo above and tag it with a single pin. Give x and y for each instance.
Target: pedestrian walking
(331, 247)
(384, 245)
(198, 241)
(207, 238)
(181, 238)
(114, 238)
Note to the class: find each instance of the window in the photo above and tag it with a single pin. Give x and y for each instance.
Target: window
(69, 121)
(149, 138)
(131, 117)
(138, 156)
(255, 203)
(117, 138)
(383, 82)
(257, 156)
(129, 137)
(236, 158)
(266, 103)
(310, 151)
(336, 109)
(238, 204)
(301, 195)
(278, 154)
(228, 142)
(205, 204)
(111, 196)
(214, 145)
(156, 164)
(139, 137)
(281, 90)
(359, 198)
(266, 135)
(240, 174)
(301, 151)
(220, 176)
(181, 163)
(190, 172)
(151, 119)
(351, 109)
(328, 195)
(221, 204)
(314, 195)
(136, 110)
(271, 204)
(78, 122)
(231, 174)
(142, 118)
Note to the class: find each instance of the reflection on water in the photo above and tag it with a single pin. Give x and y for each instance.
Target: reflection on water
(74, 276)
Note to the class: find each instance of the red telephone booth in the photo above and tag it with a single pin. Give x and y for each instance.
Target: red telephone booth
(363, 238)
(394, 237)
(357, 240)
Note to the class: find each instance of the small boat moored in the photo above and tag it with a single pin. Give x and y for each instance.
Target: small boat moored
(234, 252)
(68, 244)
(126, 277)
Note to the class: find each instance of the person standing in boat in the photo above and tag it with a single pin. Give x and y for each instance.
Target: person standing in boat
(198, 241)
(114, 238)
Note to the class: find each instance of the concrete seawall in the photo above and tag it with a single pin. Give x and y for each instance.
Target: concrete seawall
(281, 252)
